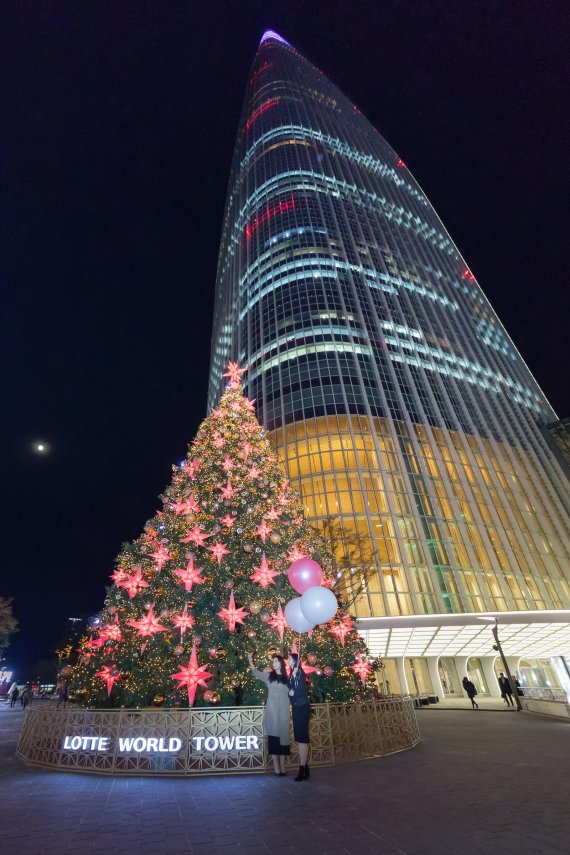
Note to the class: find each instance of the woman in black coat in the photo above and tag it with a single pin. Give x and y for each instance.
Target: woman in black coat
(301, 710)
(471, 691)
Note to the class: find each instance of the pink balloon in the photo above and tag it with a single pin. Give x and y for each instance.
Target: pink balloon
(305, 573)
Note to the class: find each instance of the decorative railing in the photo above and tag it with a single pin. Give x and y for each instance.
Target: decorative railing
(206, 741)
(554, 693)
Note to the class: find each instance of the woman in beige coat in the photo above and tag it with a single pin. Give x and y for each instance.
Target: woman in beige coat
(276, 715)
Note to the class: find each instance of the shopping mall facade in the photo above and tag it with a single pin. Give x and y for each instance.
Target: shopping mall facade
(399, 406)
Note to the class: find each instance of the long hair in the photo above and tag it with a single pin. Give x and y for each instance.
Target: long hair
(273, 675)
(295, 657)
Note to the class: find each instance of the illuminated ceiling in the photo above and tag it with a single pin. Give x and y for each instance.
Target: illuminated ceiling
(539, 634)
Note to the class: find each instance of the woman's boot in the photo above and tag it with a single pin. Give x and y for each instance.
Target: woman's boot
(307, 772)
(301, 776)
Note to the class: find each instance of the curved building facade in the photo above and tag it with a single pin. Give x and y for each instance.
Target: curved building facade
(399, 405)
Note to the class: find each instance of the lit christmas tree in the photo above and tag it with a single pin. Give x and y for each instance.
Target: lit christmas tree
(207, 582)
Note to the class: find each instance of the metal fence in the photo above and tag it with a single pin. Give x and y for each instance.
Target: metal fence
(206, 741)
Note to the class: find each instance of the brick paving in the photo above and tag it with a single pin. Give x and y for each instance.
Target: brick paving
(478, 783)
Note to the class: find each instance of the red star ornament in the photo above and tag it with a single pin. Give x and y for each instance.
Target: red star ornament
(190, 576)
(183, 621)
(187, 506)
(228, 463)
(218, 440)
(273, 514)
(253, 472)
(193, 676)
(278, 622)
(228, 491)
(264, 575)
(218, 550)
(108, 677)
(192, 467)
(249, 405)
(196, 536)
(228, 521)
(148, 625)
(232, 615)
(217, 413)
(362, 668)
(246, 449)
(342, 629)
(119, 576)
(234, 373)
(111, 632)
(133, 583)
(295, 554)
(161, 556)
(263, 530)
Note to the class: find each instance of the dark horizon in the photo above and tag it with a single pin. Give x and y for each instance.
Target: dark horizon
(117, 144)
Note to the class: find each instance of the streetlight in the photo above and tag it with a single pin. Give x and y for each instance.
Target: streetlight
(498, 647)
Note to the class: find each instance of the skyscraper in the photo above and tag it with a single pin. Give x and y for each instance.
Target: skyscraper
(400, 407)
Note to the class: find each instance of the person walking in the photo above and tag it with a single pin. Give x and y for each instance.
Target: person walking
(470, 691)
(276, 714)
(301, 709)
(15, 695)
(506, 690)
(25, 697)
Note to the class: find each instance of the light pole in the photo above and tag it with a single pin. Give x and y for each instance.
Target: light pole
(497, 646)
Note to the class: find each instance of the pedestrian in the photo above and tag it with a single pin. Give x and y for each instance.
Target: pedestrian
(470, 691)
(276, 713)
(506, 690)
(15, 695)
(301, 709)
(25, 697)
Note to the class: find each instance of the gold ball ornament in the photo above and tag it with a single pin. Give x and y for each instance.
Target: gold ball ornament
(275, 537)
(311, 658)
(158, 700)
(255, 607)
(328, 671)
(221, 653)
(344, 673)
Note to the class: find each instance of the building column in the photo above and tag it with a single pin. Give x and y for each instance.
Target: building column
(488, 666)
(432, 663)
(461, 668)
(402, 675)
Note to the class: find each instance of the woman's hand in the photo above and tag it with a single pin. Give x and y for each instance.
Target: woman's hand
(291, 693)
(250, 659)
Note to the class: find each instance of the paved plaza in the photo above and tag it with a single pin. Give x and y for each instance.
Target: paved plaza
(480, 782)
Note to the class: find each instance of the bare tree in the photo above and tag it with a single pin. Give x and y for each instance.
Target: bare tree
(8, 623)
(352, 557)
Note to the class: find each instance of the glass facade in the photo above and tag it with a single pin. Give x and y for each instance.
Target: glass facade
(392, 393)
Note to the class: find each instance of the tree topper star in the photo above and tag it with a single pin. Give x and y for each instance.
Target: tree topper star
(193, 676)
(234, 373)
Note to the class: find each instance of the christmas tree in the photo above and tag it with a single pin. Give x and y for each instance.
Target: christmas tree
(207, 582)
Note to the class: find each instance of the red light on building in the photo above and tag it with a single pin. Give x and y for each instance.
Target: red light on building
(468, 275)
(401, 163)
(257, 113)
(257, 74)
(269, 212)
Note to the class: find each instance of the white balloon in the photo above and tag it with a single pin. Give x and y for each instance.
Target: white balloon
(295, 618)
(318, 604)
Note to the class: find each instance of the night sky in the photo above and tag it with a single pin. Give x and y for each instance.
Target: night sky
(116, 139)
